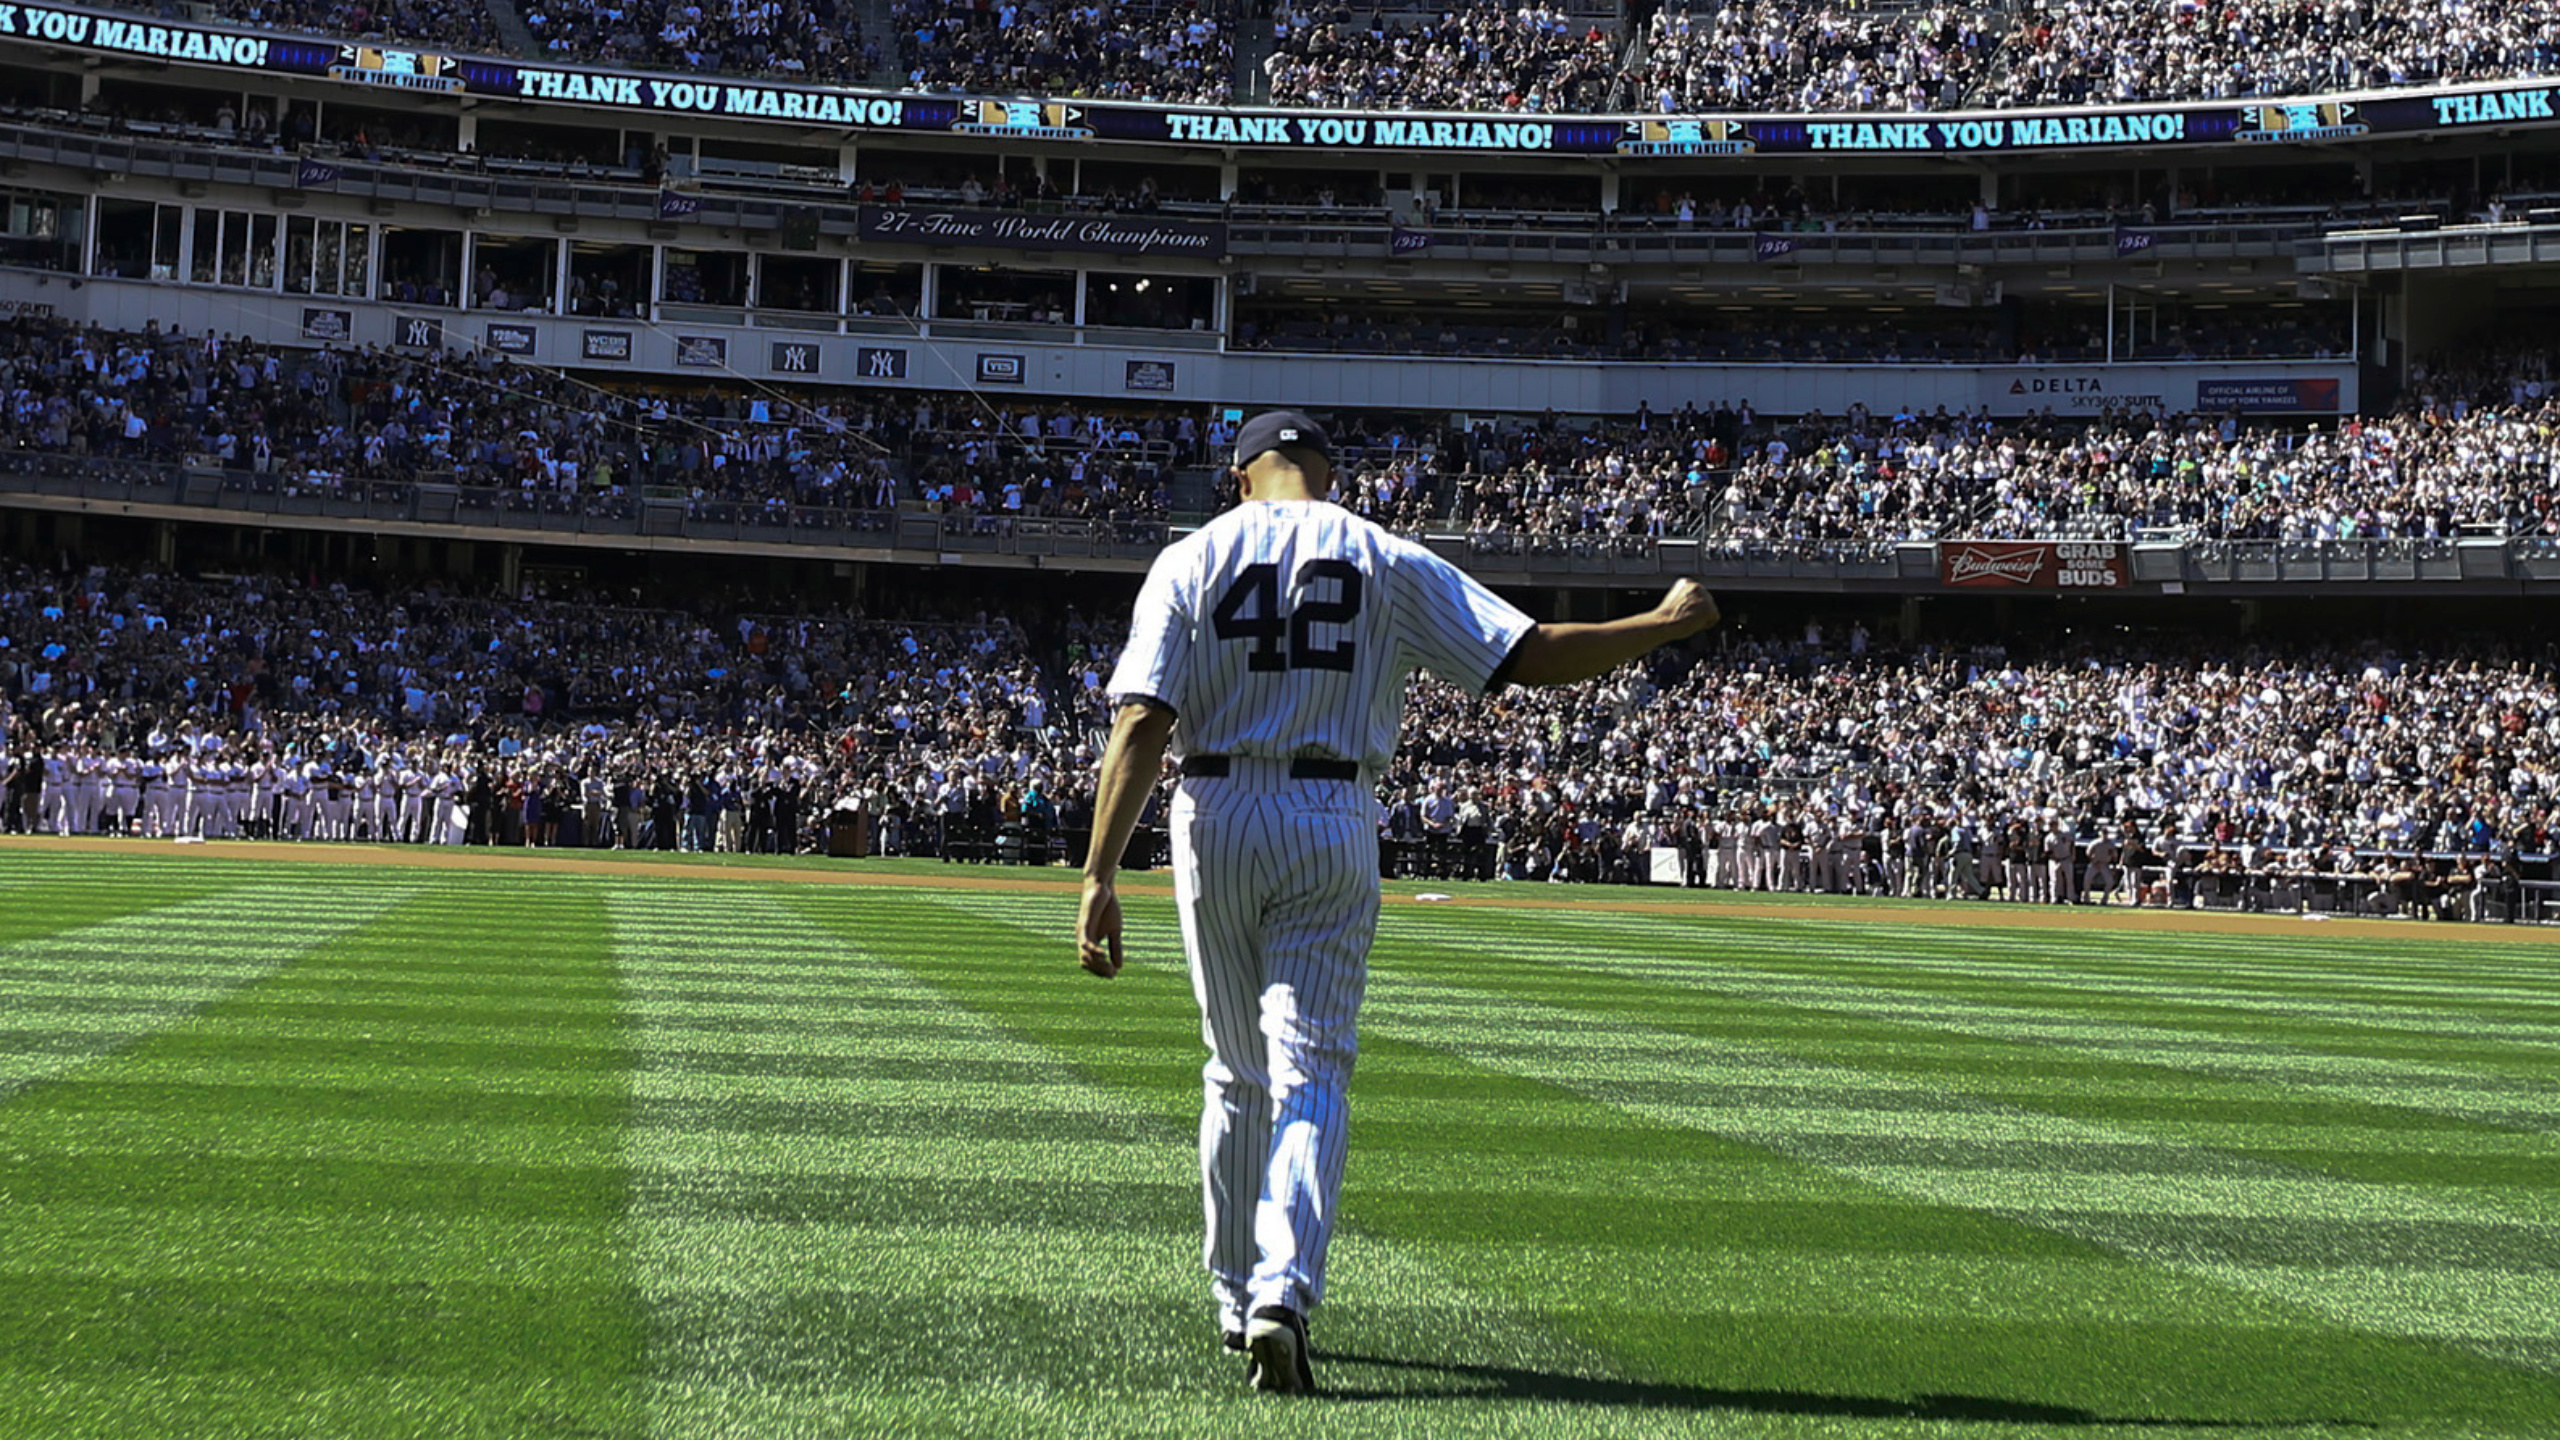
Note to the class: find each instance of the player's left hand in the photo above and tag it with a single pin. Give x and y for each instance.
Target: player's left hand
(1098, 930)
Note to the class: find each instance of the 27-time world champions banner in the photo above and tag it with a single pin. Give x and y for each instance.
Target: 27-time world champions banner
(2308, 121)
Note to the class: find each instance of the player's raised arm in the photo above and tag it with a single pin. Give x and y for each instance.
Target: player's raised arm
(1128, 772)
(1562, 654)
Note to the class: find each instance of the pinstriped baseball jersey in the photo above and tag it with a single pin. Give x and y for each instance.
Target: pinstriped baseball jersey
(1285, 629)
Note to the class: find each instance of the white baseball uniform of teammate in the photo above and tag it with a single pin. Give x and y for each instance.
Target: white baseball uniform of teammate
(293, 822)
(88, 791)
(204, 797)
(159, 818)
(414, 806)
(443, 809)
(1278, 638)
(57, 792)
(124, 793)
(186, 782)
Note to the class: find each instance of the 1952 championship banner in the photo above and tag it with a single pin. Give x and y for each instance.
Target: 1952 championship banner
(2310, 120)
(2032, 565)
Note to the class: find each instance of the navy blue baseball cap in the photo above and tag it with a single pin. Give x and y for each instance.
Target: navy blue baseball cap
(1278, 430)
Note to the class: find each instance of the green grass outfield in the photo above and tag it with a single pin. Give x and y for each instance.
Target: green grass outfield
(391, 1150)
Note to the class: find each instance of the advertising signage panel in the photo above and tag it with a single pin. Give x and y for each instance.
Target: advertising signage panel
(2313, 120)
(2032, 565)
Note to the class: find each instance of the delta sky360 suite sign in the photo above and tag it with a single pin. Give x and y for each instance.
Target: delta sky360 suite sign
(2308, 121)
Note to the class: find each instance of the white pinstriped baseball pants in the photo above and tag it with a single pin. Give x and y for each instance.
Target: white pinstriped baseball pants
(1278, 885)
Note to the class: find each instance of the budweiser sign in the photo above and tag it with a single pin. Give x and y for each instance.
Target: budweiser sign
(2032, 564)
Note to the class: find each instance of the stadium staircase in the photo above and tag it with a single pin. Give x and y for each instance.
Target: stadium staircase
(1623, 96)
(512, 30)
(1251, 35)
(880, 29)
(1195, 490)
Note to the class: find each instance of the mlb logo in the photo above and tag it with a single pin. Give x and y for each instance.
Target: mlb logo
(1026, 114)
(2288, 119)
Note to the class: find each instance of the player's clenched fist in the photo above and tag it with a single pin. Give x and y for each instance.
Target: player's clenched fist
(1098, 930)
(1688, 608)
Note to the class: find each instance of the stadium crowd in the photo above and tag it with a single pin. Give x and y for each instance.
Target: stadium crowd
(2155, 773)
(150, 704)
(1784, 55)
(1531, 60)
(799, 39)
(2107, 52)
(322, 420)
(2470, 452)
(461, 24)
(1180, 53)
(158, 705)
(2439, 468)
(1751, 55)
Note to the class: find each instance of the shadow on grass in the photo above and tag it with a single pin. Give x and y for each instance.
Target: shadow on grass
(1501, 1382)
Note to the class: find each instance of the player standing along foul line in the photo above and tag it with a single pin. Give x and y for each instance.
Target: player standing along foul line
(1271, 648)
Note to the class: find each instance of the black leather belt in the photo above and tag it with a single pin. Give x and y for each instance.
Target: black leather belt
(1196, 767)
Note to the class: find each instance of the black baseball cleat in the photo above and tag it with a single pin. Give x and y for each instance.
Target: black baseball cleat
(1276, 1338)
(1233, 1340)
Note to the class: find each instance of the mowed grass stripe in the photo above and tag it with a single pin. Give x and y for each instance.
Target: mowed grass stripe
(289, 1263)
(2302, 1004)
(1696, 1264)
(805, 1272)
(33, 908)
(1693, 957)
(81, 991)
(1436, 1140)
(2300, 993)
(1892, 1109)
(2384, 956)
(2038, 974)
(1402, 1326)
(2131, 1216)
(761, 1249)
(1516, 1231)
(1895, 1064)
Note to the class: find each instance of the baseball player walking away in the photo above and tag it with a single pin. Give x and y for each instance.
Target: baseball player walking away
(1271, 649)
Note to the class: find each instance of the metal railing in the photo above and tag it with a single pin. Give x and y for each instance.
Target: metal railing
(2486, 565)
(534, 514)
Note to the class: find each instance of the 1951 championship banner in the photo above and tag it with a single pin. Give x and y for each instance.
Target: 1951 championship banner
(2032, 564)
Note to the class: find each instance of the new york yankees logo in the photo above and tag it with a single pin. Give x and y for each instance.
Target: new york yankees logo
(795, 357)
(421, 333)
